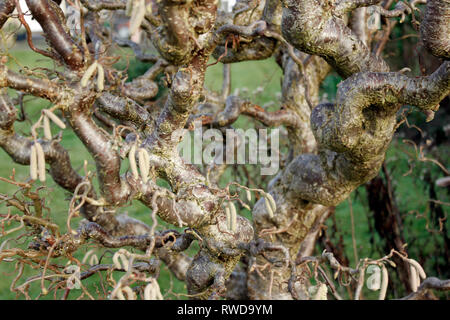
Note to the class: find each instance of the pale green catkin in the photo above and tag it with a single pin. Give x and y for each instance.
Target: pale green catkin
(144, 164)
(33, 163)
(249, 195)
(233, 216)
(54, 118)
(137, 17)
(268, 207)
(418, 268)
(88, 74)
(129, 7)
(272, 202)
(414, 280)
(228, 215)
(384, 283)
(132, 158)
(47, 130)
(40, 162)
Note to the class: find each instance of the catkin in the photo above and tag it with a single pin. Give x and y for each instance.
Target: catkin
(158, 291)
(137, 17)
(47, 130)
(117, 264)
(414, 278)
(88, 74)
(233, 216)
(33, 163)
(249, 195)
(321, 292)
(120, 295)
(87, 255)
(129, 7)
(384, 283)
(54, 118)
(144, 164)
(147, 157)
(150, 292)
(94, 260)
(40, 161)
(228, 215)
(129, 292)
(132, 158)
(268, 207)
(100, 78)
(272, 202)
(418, 268)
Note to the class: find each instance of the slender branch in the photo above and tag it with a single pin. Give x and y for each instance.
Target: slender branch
(42, 88)
(430, 283)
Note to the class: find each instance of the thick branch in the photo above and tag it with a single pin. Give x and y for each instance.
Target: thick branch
(52, 25)
(42, 88)
(428, 284)
(313, 29)
(354, 134)
(435, 28)
(123, 109)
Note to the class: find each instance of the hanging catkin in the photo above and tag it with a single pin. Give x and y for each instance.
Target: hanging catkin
(268, 207)
(137, 17)
(47, 130)
(54, 118)
(249, 195)
(129, 7)
(33, 163)
(132, 158)
(384, 283)
(233, 216)
(88, 74)
(144, 164)
(40, 161)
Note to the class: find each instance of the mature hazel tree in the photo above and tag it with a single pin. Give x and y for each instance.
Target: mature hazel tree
(132, 129)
